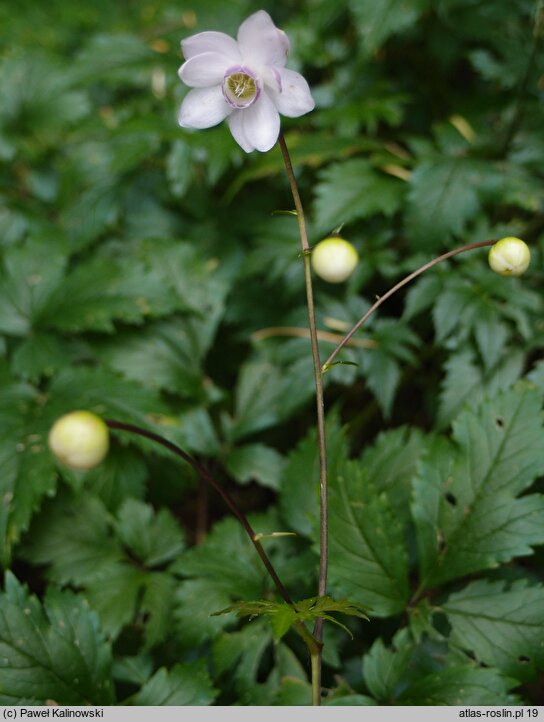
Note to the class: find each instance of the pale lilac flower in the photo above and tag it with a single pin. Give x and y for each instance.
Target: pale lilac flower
(243, 80)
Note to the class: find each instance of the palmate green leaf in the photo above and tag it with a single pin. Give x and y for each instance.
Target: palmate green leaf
(421, 295)
(299, 495)
(27, 469)
(293, 692)
(97, 293)
(92, 211)
(257, 400)
(467, 384)
(37, 98)
(135, 669)
(28, 276)
(502, 626)
(256, 462)
(227, 557)
(257, 667)
(157, 607)
(51, 652)
(41, 354)
(145, 282)
(536, 376)
(460, 685)
(115, 595)
(226, 563)
(184, 684)
(125, 595)
(478, 303)
(189, 280)
(111, 58)
(368, 560)
(351, 190)
(36, 293)
(391, 464)
(376, 21)
(72, 536)
(239, 655)
(425, 673)
(195, 601)
(385, 670)
(442, 199)
(154, 537)
(465, 507)
(381, 366)
(100, 558)
(491, 336)
(121, 475)
(106, 394)
(283, 616)
(179, 168)
(163, 355)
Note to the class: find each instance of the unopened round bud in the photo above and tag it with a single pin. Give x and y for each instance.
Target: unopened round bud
(334, 259)
(79, 440)
(510, 256)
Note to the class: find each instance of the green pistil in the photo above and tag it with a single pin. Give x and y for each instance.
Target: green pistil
(241, 86)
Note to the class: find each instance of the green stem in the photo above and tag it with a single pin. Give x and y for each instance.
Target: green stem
(396, 287)
(320, 406)
(316, 679)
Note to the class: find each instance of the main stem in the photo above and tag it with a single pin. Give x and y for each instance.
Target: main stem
(318, 377)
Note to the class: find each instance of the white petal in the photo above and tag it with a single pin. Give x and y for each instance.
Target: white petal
(261, 123)
(295, 98)
(204, 70)
(261, 42)
(236, 126)
(203, 107)
(211, 42)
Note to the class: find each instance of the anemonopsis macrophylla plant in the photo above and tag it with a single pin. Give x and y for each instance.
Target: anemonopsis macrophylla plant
(245, 82)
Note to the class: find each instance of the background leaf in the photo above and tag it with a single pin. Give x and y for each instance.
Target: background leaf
(469, 497)
(502, 626)
(58, 645)
(184, 684)
(363, 567)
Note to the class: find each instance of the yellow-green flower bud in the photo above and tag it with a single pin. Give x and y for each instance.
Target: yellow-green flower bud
(509, 257)
(334, 259)
(79, 440)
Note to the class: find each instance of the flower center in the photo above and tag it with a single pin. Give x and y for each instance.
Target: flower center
(240, 87)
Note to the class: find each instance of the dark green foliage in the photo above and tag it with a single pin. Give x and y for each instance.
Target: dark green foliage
(285, 616)
(52, 652)
(147, 275)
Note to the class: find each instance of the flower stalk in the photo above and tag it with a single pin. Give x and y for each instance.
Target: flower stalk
(397, 287)
(313, 645)
(320, 407)
(206, 476)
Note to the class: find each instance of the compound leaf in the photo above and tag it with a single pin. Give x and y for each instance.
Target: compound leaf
(51, 652)
(465, 507)
(184, 684)
(368, 561)
(503, 627)
(353, 189)
(378, 20)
